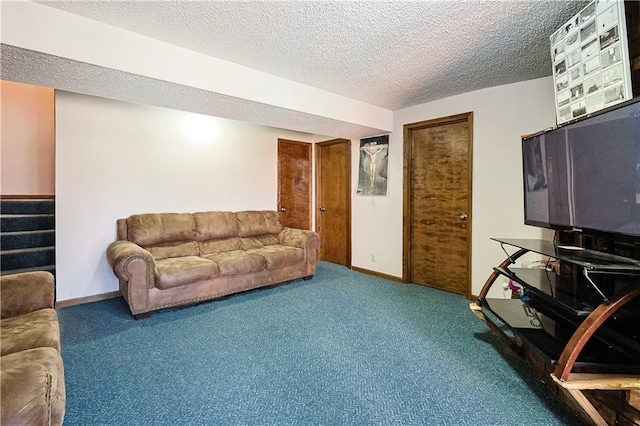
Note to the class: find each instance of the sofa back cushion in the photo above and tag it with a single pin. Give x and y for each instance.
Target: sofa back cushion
(215, 225)
(173, 249)
(259, 241)
(164, 234)
(218, 246)
(254, 223)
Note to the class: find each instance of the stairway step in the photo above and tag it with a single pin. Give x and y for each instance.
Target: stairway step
(48, 268)
(27, 222)
(27, 258)
(27, 239)
(27, 235)
(16, 206)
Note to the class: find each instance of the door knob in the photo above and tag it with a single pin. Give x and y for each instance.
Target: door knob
(322, 209)
(282, 209)
(463, 216)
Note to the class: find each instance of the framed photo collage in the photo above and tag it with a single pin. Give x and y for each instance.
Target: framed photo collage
(590, 56)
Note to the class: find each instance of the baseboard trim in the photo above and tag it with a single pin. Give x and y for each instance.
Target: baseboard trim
(377, 274)
(27, 197)
(88, 299)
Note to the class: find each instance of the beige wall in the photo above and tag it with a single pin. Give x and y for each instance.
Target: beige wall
(27, 139)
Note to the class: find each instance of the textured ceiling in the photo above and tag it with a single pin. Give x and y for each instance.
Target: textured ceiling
(52, 71)
(392, 54)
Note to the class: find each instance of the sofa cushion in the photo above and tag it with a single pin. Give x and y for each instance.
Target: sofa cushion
(258, 241)
(279, 256)
(177, 271)
(179, 249)
(216, 246)
(151, 229)
(26, 292)
(32, 388)
(215, 225)
(237, 262)
(31, 330)
(252, 223)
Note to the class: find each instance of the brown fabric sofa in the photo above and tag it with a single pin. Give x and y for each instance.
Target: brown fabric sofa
(172, 259)
(31, 371)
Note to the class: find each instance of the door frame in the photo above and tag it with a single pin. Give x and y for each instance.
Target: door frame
(347, 195)
(406, 207)
(309, 176)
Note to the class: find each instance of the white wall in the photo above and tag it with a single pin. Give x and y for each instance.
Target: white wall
(501, 115)
(114, 159)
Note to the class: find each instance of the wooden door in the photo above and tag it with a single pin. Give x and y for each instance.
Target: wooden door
(294, 183)
(333, 200)
(437, 203)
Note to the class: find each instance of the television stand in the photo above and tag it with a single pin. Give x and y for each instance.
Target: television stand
(576, 320)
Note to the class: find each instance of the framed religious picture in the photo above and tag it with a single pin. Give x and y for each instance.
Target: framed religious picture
(372, 171)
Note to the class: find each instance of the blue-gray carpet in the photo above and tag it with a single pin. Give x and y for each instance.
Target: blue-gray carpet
(341, 349)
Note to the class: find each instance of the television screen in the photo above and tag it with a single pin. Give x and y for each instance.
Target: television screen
(585, 176)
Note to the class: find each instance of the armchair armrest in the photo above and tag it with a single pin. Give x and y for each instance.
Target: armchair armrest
(26, 292)
(300, 238)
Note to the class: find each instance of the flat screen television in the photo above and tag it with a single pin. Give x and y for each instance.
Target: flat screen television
(584, 176)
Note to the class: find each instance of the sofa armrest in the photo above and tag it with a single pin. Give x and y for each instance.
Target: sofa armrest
(26, 292)
(300, 238)
(130, 261)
